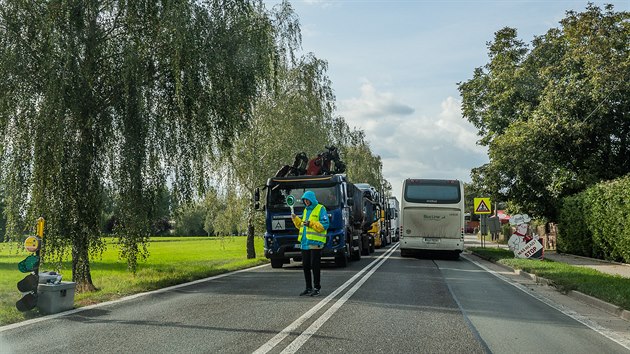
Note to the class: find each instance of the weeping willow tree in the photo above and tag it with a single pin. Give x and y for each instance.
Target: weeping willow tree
(295, 115)
(128, 96)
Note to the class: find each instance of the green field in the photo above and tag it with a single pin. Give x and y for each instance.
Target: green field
(610, 288)
(172, 260)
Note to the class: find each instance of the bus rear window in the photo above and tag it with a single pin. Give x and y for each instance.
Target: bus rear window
(432, 193)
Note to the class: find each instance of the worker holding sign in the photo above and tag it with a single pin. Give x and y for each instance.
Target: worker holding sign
(312, 237)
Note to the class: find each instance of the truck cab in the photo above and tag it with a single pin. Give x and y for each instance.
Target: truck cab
(371, 217)
(281, 236)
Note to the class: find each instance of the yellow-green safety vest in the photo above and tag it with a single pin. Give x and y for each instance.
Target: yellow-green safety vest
(311, 234)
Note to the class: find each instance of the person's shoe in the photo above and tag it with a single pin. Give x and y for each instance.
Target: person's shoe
(315, 292)
(308, 291)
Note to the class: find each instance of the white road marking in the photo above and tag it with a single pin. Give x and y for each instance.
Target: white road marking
(612, 335)
(126, 298)
(265, 348)
(313, 328)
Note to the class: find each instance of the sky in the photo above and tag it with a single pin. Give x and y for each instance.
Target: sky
(394, 67)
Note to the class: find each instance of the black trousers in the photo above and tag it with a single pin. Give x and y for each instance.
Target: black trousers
(311, 260)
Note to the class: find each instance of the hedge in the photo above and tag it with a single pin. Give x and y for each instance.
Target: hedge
(596, 222)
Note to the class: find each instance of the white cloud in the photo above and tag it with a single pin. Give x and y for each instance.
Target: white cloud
(372, 111)
(322, 3)
(411, 145)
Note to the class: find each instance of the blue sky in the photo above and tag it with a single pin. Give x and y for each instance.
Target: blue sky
(395, 65)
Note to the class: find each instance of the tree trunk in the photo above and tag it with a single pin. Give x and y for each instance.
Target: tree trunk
(251, 250)
(81, 267)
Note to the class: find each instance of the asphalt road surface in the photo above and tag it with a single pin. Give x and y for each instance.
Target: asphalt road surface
(383, 303)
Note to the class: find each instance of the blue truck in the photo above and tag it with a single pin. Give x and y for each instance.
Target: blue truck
(347, 236)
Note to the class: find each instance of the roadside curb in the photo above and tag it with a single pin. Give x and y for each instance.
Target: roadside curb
(587, 299)
(590, 259)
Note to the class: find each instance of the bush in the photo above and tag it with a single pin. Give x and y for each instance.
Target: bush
(573, 236)
(596, 222)
(506, 230)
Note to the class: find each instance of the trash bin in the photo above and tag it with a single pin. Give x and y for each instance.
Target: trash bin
(54, 298)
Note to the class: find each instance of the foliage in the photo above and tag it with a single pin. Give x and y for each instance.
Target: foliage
(289, 118)
(554, 117)
(190, 220)
(215, 215)
(231, 220)
(212, 209)
(295, 115)
(129, 96)
(506, 231)
(364, 166)
(608, 218)
(596, 222)
(3, 220)
(573, 235)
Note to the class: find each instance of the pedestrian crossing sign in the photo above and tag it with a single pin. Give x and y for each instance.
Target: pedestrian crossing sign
(482, 206)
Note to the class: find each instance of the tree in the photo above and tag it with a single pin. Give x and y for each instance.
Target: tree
(190, 219)
(293, 117)
(363, 166)
(123, 94)
(230, 220)
(554, 118)
(213, 207)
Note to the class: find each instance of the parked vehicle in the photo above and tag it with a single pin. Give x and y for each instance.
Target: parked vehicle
(371, 223)
(353, 210)
(432, 216)
(394, 218)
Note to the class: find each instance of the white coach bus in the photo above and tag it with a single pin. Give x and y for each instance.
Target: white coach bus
(432, 216)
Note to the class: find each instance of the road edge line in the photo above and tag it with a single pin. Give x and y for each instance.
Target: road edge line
(570, 313)
(122, 299)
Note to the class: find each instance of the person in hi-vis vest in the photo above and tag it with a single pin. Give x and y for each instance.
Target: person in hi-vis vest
(312, 237)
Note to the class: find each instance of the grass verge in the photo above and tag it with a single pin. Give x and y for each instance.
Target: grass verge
(172, 260)
(610, 288)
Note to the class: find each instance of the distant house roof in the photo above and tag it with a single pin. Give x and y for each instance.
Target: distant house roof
(502, 215)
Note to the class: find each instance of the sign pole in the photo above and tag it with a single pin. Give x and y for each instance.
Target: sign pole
(482, 206)
(40, 232)
(484, 229)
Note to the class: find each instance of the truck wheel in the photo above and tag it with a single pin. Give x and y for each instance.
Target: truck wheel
(277, 262)
(356, 255)
(341, 261)
(365, 246)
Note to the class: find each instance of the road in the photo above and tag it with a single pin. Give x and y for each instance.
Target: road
(383, 303)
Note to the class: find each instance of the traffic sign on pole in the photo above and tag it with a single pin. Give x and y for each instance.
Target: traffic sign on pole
(482, 206)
